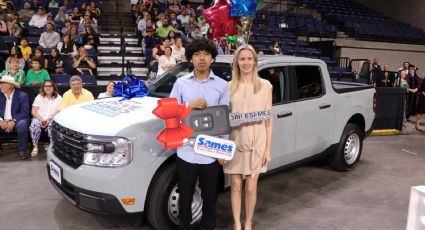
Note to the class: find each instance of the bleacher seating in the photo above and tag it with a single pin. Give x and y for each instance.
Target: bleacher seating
(32, 34)
(363, 23)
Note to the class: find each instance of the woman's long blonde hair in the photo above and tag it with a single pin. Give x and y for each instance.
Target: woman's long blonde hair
(236, 72)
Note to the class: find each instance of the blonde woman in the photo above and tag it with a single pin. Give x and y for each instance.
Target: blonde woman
(249, 93)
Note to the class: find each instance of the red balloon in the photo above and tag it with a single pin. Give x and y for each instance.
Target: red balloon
(218, 16)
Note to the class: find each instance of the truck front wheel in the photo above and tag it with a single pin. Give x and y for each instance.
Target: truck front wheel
(349, 149)
(163, 203)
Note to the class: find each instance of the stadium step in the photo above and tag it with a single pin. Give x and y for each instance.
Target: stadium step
(118, 59)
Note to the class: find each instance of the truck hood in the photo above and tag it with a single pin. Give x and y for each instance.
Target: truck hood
(107, 117)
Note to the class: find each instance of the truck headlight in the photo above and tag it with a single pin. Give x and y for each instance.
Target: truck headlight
(107, 152)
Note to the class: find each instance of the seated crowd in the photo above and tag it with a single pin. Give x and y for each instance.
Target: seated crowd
(15, 113)
(164, 31)
(62, 41)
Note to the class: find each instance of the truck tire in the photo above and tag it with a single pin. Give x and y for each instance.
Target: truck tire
(349, 149)
(163, 208)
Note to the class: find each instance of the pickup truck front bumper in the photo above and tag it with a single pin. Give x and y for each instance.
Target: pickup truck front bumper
(91, 201)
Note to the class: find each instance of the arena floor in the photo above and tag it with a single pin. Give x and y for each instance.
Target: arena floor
(373, 196)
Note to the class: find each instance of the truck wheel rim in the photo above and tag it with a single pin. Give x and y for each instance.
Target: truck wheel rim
(352, 148)
(173, 205)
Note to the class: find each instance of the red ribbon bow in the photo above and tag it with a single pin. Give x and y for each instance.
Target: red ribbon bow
(172, 113)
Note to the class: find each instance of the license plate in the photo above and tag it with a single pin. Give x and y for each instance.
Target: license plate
(55, 172)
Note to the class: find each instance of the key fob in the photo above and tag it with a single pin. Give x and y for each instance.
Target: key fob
(212, 121)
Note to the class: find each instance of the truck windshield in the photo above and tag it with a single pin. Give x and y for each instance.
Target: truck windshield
(162, 86)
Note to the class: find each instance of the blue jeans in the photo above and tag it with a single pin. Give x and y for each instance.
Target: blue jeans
(22, 131)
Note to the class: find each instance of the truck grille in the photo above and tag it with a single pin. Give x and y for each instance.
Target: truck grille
(68, 145)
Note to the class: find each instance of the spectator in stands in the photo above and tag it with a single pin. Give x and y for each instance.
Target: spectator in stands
(276, 48)
(155, 14)
(196, 33)
(53, 4)
(174, 21)
(89, 14)
(109, 91)
(62, 16)
(75, 36)
(67, 47)
(218, 46)
(412, 97)
(151, 5)
(3, 7)
(66, 29)
(175, 6)
(14, 71)
(91, 38)
(67, 6)
(3, 28)
(40, 19)
(50, 19)
(190, 26)
(26, 12)
(77, 94)
(83, 64)
(87, 23)
(149, 24)
(166, 61)
(50, 38)
(94, 9)
(38, 53)
(151, 40)
(36, 5)
(14, 112)
(178, 50)
(171, 38)
(36, 75)
(142, 23)
(75, 15)
(14, 27)
(55, 62)
(83, 7)
(15, 52)
(165, 28)
(203, 25)
(46, 105)
(183, 16)
(159, 50)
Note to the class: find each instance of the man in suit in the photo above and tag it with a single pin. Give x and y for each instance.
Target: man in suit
(14, 112)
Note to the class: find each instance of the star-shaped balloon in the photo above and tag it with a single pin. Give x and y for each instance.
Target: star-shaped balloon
(218, 16)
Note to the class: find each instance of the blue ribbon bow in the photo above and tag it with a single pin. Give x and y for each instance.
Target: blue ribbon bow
(130, 87)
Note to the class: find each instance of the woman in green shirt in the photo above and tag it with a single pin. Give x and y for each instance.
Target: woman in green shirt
(37, 74)
(14, 71)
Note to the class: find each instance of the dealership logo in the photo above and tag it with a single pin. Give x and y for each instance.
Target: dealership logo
(214, 147)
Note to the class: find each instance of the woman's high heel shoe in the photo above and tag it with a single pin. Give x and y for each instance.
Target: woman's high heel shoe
(419, 129)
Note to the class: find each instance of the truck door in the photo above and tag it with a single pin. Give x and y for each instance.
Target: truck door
(284, 116)
(315, 116)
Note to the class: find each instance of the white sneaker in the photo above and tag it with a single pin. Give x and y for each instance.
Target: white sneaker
(34, 152)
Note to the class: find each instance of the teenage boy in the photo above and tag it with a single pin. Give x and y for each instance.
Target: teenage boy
(198, 90)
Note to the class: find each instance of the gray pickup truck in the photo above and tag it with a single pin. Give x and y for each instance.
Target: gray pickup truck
(104, 157)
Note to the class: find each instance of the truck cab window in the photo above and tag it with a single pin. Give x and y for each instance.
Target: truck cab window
(309, 81)
(276, 76)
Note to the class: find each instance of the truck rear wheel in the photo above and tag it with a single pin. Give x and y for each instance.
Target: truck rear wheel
(349, 149)
(163, 203)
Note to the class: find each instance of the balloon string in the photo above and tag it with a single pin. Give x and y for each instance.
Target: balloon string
(249, 30)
